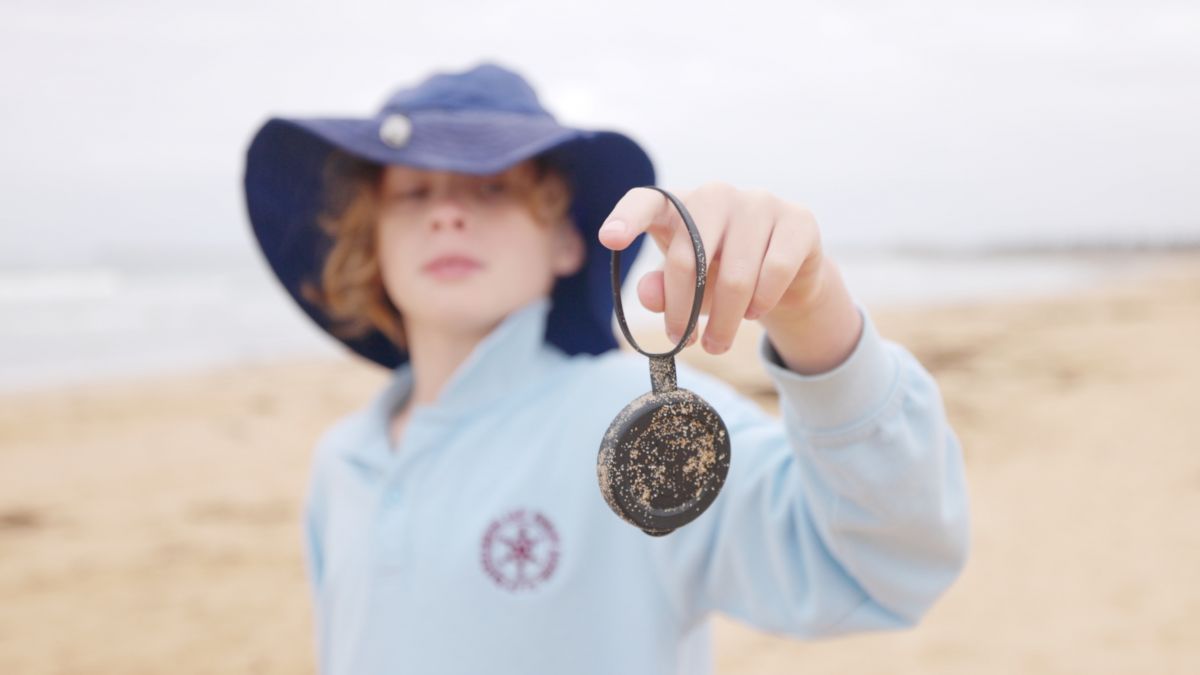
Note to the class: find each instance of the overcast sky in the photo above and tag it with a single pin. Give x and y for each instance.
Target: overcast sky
(123, 124)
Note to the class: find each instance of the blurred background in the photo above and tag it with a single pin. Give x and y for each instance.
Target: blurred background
(1009, 187)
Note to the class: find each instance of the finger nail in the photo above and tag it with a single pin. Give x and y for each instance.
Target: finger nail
(673, 336)
(712, 346)
(614, 227)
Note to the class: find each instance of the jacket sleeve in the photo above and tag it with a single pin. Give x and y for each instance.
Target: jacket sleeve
(848, 513)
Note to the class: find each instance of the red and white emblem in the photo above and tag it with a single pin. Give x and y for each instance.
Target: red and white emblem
(520, 550)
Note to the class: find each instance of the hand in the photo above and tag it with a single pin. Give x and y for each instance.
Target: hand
(765, 262)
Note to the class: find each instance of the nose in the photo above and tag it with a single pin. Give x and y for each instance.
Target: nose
(447, 215)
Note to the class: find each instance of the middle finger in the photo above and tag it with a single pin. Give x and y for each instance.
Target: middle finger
(742, 250)
(709, 207)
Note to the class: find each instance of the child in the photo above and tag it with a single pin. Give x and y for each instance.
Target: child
(455, 524)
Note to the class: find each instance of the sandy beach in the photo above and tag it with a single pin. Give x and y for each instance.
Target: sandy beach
(151, 526)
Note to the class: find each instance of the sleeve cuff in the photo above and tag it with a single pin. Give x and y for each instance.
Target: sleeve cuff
(847, 394)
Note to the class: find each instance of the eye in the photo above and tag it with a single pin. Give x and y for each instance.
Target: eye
(413, 193)
(495, 187)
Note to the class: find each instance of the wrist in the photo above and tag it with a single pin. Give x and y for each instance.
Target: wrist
(818, 333)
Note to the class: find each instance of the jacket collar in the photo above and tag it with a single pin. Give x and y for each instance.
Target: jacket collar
(513, 356)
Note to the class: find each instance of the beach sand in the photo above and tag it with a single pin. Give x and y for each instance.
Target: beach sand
(152, 526)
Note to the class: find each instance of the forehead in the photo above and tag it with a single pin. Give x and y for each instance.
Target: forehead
(402, 173)
(397, 172)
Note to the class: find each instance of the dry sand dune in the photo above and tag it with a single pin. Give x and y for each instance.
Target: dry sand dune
(150, 526)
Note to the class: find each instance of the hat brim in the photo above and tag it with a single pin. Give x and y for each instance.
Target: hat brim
(283, 185)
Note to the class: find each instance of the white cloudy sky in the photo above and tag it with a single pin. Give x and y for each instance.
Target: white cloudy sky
(933, 123)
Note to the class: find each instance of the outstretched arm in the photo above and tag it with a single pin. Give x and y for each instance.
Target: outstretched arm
(850, 513)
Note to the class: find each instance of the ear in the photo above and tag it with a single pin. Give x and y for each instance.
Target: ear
(567, 250)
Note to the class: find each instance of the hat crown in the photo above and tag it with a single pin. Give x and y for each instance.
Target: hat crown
(486, 86)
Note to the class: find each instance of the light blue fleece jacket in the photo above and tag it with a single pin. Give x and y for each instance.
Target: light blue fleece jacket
(481, 544)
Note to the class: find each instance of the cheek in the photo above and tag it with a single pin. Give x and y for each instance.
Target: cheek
(393, 252)
(529, 251)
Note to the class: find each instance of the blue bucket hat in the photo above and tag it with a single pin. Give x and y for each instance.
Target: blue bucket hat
(479, 121)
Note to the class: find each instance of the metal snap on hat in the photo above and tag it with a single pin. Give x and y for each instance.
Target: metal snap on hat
(395, 130)
(478, 121)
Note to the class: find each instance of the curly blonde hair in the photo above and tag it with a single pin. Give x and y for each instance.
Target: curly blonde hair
(350, 289)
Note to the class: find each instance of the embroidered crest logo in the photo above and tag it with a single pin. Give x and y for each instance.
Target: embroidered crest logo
(520, 550)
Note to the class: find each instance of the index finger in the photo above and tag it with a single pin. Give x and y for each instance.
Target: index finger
(640, 210)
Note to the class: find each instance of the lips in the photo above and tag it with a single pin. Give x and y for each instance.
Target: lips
(451, 266)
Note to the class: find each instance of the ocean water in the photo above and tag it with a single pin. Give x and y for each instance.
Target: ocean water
(81, 324)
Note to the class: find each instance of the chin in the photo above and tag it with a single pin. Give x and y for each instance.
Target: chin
(472, 306)
(473, 312)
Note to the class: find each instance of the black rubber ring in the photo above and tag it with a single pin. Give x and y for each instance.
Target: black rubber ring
(701, 275)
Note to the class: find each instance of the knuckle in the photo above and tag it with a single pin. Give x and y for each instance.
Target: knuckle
(760, 198)
(804, 216)
(775, 264)
(716, 188)
(681, 258)
(736, 281)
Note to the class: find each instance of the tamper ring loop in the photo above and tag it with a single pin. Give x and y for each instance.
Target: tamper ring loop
(701, 274)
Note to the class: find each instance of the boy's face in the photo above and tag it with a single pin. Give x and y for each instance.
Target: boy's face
(460, 252)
